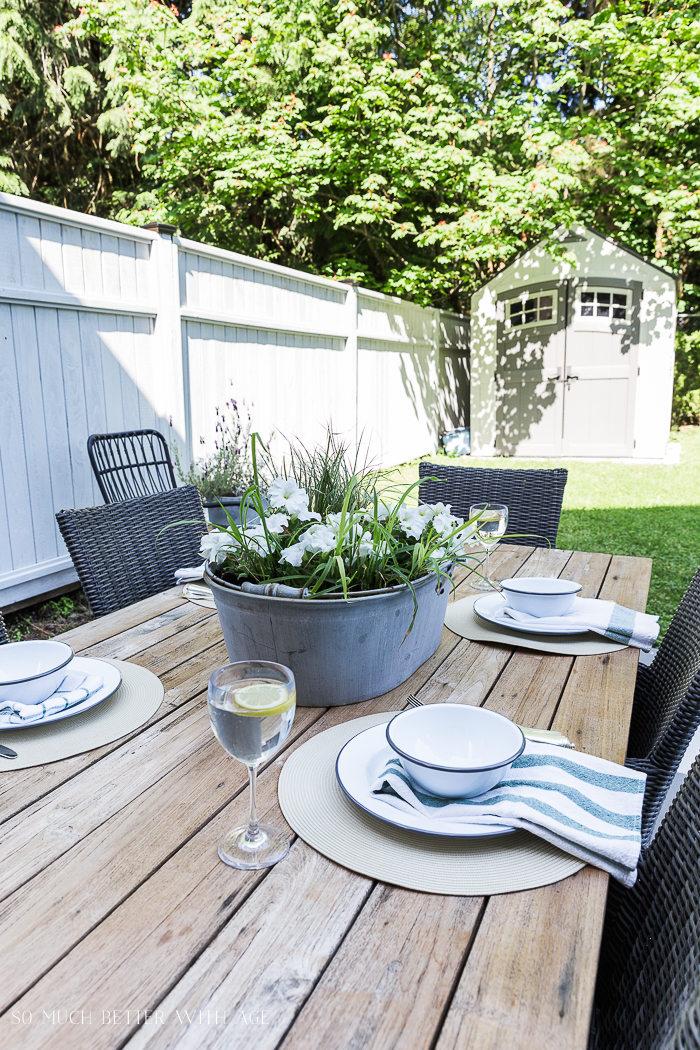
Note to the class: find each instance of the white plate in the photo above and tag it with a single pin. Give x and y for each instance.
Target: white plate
(359, 764)
(111, 677)
(489, 604)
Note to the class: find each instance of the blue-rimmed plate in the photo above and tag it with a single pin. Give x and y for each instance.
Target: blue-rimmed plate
(357, 767)
(111, 679)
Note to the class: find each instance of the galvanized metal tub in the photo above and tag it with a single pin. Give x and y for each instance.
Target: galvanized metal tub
(341, 652)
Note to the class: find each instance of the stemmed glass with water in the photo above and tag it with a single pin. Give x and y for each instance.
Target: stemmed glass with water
(251, 710)
(491, 524)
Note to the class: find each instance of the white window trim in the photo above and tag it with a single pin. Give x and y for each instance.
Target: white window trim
(604, 322)
(553, 292)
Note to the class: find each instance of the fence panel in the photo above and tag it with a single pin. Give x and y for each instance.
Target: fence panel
(106, 327)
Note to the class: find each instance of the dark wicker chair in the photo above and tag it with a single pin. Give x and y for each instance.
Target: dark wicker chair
(666, 709)
(3, 631)
(533, 497)
(131, 464)
(648, 990)
(114, 547)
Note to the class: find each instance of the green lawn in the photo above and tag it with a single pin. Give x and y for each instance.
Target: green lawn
(646, 511)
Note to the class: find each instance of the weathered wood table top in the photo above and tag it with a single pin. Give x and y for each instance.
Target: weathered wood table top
(121, 927)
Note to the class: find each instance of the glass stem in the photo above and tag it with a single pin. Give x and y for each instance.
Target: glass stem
(252, 835)
(486, 563)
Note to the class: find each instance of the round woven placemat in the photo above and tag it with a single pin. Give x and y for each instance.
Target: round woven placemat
(137, 698)
(461, 618)
(316, 808)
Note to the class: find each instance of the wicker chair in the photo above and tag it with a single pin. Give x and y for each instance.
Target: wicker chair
(131, 464)
(648, 990)
(114, 547)
(533, 497)
(666, 709)
(3, 631)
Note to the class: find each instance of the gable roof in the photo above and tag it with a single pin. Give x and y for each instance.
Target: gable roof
(571, 229)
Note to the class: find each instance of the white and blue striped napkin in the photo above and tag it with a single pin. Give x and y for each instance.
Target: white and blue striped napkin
(613, 621)
(586, 806)
(73, 690)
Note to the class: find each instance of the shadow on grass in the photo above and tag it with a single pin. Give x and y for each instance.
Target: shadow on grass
(668, 535)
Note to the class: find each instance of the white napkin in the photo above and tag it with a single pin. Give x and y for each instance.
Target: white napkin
(586, 806)
(592, 614)
(73, 690)
(183, 575)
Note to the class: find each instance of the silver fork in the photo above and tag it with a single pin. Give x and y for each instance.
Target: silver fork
(540, 736)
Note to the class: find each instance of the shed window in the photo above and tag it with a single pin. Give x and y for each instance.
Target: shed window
(537, 309)
(613, 306)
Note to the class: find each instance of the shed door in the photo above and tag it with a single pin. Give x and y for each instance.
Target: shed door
(531, 346)
(600, 369)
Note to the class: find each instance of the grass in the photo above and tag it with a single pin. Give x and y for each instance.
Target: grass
(640, 510)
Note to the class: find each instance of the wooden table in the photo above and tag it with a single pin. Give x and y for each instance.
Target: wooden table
(121, 927)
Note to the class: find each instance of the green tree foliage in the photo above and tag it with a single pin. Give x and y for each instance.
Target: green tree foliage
(416, 149)
(51, 91)
(686, 387)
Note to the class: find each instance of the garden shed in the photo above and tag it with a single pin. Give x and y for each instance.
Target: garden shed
(572, 351)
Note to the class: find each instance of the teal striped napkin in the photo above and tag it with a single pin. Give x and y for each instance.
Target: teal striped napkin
(586, 806)
(73, 690)
(613, 621)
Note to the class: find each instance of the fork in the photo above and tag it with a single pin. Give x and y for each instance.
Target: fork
(540, 736)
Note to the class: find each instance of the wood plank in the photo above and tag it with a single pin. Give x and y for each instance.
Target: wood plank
(392, 978)
(138, 639)
(45, 917)
(538, 993)
(136, 615)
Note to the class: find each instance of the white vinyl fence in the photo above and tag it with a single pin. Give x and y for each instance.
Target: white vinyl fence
(107, 327)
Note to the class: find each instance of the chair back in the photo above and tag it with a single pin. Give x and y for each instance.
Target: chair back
(662, 686)
(533, 497)
(131, 464)
(648, 991)
(3, 631)
(114, 547)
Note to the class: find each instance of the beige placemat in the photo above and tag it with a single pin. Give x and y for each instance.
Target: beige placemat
(137, 698)
(462, 619)
(316, 808)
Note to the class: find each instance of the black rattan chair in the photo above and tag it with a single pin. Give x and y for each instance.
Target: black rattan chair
(648, 989)
(114, 547)
(533, 497)
(3, 631)
(131, 464)
(663, 684)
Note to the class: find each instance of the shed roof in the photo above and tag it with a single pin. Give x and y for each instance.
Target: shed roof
(571, 229)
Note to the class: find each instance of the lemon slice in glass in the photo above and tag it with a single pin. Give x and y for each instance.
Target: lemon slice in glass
(263, 698)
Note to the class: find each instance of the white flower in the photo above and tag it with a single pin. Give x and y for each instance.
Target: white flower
(293, 554)
(425, 512)
(467, 536)
(215, 546)
(366, 549)
(444, 521)
(276, 523)
(308, 515)
(284, 494)
(411, 522)
(439, 554)
(319, 539)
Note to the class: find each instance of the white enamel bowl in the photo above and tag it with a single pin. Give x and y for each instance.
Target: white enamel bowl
(540, 595)
(454, 750)
(32, 671)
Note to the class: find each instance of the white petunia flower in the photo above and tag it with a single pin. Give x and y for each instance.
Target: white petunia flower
(293, 554)
(308, 515)
(319, 539)
(215, 546)
(276, 523)
(284, 494)
(411, 522)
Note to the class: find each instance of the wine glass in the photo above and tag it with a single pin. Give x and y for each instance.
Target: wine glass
(490, 526)
(251, 709)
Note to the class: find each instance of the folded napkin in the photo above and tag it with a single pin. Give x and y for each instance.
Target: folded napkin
(586, 806)
(183, 575)
(73, 690)
(591, 614)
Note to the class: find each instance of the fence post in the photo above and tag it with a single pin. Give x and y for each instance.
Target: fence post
(170, 362)
(351, 305)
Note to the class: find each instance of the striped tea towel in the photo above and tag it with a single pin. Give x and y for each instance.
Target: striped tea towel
(592, 614)
(586, 806)
(73, 690)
